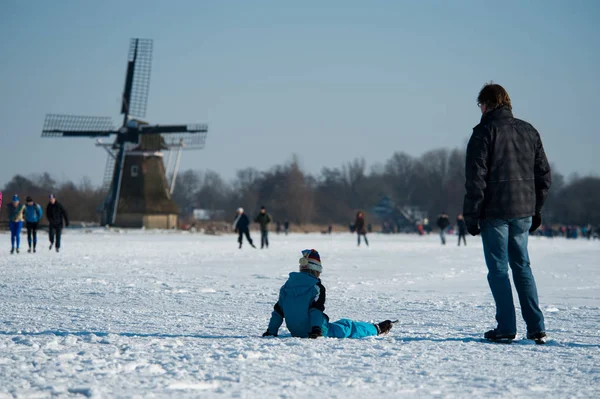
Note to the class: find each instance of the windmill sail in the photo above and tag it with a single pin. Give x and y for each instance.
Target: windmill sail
(58, 125)
(137, 80)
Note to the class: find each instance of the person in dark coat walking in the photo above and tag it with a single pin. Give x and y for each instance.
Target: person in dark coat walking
(360, 227)
(286, 227)
(241, 225)
(462, 229)
(443, 222)
(263, 219)
(55, 213)
(507, 181)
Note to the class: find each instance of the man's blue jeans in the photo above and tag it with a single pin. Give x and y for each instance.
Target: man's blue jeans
(504, 243)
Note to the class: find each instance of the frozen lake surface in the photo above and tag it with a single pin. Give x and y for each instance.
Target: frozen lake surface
(174, 314)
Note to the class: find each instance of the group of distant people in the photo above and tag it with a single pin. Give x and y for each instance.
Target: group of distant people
(30, 214)
(570, 232)
(443, 223)
(241, 225)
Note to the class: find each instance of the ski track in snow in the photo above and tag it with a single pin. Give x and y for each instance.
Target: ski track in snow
(173, 314)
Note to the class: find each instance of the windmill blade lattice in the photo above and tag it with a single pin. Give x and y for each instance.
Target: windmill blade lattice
(140, 54)
(60, 125)
(188, 141)
(189, 137)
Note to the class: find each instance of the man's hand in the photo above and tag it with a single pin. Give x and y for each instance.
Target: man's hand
(536, 222)
(473, 229)
(315, 333)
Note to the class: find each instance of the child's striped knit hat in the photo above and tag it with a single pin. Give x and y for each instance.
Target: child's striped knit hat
(311, 260)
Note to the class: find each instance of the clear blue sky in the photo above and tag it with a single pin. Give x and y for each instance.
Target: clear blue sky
(328, 80)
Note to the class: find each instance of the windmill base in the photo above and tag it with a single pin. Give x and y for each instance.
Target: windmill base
(139, 220)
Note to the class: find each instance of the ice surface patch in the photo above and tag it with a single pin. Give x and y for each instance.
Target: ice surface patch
(85, 391)
(198, 386)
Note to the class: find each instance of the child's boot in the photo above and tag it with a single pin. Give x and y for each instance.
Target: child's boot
(384, 327)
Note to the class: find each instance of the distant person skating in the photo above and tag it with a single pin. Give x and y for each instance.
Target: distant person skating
(55, 213)
(33, 215)
(462, 229)
(302, 305)
(241, 225)
(286, 227)
(263, 219)
(16, 216)
(443, 222)
(360, 228)
(507, 181)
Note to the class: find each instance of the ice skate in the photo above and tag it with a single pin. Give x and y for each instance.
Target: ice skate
(540, 338)
(495, 336)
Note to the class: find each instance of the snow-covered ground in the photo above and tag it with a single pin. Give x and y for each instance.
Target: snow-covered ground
(172, 314)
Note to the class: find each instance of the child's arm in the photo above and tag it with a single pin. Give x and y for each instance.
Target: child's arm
(315, 312)
(275, 322)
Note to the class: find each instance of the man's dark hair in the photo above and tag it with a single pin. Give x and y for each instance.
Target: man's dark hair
(494, 96)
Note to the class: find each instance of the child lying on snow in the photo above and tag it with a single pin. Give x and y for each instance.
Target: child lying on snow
(302, 303)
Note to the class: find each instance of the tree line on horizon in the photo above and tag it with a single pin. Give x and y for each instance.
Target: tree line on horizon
(433, 182)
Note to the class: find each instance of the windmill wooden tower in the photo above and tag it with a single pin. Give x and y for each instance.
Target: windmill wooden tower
(136, 178)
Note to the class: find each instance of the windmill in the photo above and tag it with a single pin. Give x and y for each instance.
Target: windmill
(136, 178)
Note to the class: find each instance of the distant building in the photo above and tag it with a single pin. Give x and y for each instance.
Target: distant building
(398, 218)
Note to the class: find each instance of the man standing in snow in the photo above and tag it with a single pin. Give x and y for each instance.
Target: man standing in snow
(507, 181)
(263, 219)
(241, 225)
(55, 213)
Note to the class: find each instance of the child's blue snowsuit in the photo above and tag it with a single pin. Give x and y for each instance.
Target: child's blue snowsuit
(302, 303)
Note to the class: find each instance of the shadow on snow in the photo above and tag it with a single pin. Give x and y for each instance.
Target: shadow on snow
(485, 341)
(471, 339)
(60, 333)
